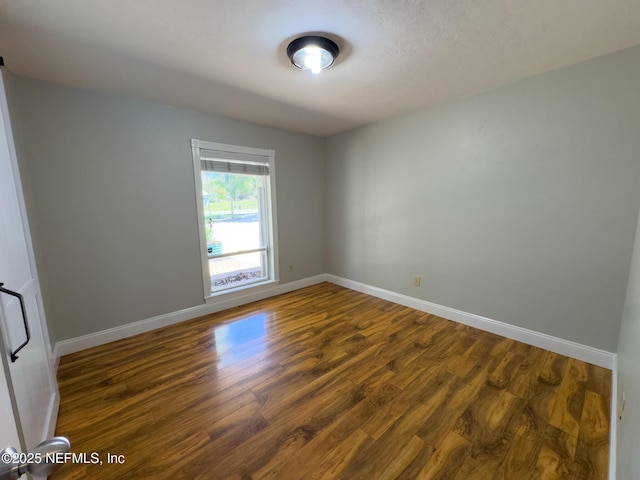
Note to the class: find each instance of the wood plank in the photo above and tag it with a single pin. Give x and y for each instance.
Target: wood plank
(338, 460)
(567, 411)
(445, 461)
(520, 459)
(592, 450)
(552, 466)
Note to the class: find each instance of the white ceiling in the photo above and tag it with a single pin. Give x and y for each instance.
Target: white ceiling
(228, 56)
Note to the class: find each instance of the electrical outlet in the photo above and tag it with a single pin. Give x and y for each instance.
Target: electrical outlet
(291, 268)
(416, 281)
(621, 406)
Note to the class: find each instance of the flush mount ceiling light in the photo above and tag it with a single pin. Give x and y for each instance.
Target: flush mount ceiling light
(312, 53)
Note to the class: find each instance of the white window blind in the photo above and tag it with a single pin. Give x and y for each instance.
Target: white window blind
(231, 162)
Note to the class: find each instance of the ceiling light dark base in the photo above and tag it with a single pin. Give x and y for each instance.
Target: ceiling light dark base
(309, 41)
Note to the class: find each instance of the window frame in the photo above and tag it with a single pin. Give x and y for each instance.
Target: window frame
(271, 217)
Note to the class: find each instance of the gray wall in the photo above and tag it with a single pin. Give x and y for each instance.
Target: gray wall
(111, 195)
(627, 459)
(518, 204)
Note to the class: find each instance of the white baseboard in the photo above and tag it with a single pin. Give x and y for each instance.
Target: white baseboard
(585, 353)
(613, 422)
(65, 347)
(564, 347)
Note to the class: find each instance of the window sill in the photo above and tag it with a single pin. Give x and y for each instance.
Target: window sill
(242, 291)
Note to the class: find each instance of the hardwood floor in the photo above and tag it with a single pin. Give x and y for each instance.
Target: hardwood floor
(329, 383)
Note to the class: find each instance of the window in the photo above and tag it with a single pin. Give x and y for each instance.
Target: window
(236, 211)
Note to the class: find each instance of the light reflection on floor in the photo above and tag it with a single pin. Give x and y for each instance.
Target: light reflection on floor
(241, 339)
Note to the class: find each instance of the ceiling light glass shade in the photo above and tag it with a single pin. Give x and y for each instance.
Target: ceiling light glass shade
(312, 53)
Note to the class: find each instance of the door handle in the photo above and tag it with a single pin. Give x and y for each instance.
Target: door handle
(45, 459)
(14, 354)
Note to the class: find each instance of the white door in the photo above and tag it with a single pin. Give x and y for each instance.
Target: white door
(8, 429)
(30, 378)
